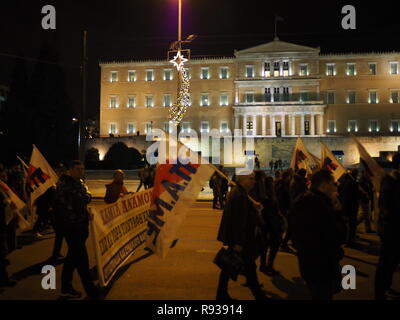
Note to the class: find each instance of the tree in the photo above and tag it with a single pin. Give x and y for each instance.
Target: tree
(92, 155)
(119, 156)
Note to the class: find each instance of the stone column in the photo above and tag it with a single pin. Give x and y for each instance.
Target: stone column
(283, 125)
(244, 124)
(321, 124)
(254, 125)
(312, 124)
(264, 125)
(236, 122)
(237, 95)
(272, 125)
(302, 132)
(293, 126)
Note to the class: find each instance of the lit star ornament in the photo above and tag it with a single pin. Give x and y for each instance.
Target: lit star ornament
(178, 61)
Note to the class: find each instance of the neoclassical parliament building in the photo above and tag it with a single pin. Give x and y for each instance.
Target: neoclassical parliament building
(275, 92)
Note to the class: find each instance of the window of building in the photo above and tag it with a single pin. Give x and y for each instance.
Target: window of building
(205, 73)
(249, 125)
(303, 70)
(330, 69)
(277, 66)
(331, 126)
(249, 97)
(205, 101)
(186, 127)
(372, 68)
(352, 126)
(113, 102)
(131, 75)
(149, 102)
(187, 70)
(148, 127)
(267, 94)
(223, 126)
(131, 102)
(277, 94)
(250, 71)
(394, 67)
(113, 128)
(351, 69)
(149, 75)
(167, 100)
(167, 74)
(373, 126)
(351, 97)
(131, 129)
(330, 97)
(205, 126)
(223, 99)
(223, 73)
(394, 96)
(373, 97)
(285, 68)
(114, 76)
(395, 126)
(267, 69)
(286, 94)
(303, 96)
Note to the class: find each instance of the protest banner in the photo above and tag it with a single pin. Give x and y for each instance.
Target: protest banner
(118, 231)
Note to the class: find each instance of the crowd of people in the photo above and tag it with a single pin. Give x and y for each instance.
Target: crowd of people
(314, 217)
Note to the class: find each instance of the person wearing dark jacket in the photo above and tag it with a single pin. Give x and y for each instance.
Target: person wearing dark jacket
(240, 230)
(389, 231)
(115, 189)
(318, 235)
(72, 198)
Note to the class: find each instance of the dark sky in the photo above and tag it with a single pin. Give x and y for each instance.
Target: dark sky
(124, 30)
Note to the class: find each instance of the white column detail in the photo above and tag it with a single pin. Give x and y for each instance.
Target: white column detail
(264, 125)
(312, 124)
(272, 125)
(293, 127)
(283, 125)
(254, 125)
(302, 132)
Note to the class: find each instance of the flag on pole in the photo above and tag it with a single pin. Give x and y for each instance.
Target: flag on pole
(9, 195)
(302, 158)
(176, 187)
(329, 162)
(374, 170)
(40, 175)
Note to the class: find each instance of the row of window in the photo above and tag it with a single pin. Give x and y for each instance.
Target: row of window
(352, 126)
(185, 127)
(331, 69)
(205, 101)
(168, 74)
(373, 97)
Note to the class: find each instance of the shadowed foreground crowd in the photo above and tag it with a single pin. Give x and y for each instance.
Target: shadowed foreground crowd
(316, 216)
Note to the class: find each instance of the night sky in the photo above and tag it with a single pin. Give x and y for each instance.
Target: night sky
(124, 30)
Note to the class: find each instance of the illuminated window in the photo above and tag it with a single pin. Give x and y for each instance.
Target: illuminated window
(223, 73)
(223, 99)
(395, 126)
(131, 102)
(351, 97)
(373, 126)
(205, 101)
(330, 69)
(205, 73)
(131, 128)
(331, 126)
(186, 127)
(352, 126)
(249, 97)
(114, 76)
(249, 125)
(131, 75)
(303, 70)
(205, 126)
(187, 70)
(167, 74)
(167, 100)
(351, 69)
(373, 97)
(149, 75)
(113, 102)
(223, 126)
(148, 127)
(394, 96)
(394, 67)
(277, 66)
(250, 71)
(372, 68)
(149, 102)
(330, 97)
(285, 68)
(267, 69)
(113, 128)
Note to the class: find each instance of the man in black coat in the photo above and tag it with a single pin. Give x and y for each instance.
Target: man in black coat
(240, 230)
(318, 233)
(389, 231)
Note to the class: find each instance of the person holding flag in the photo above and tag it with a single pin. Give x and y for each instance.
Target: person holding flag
(302, 158)
(330, 163)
